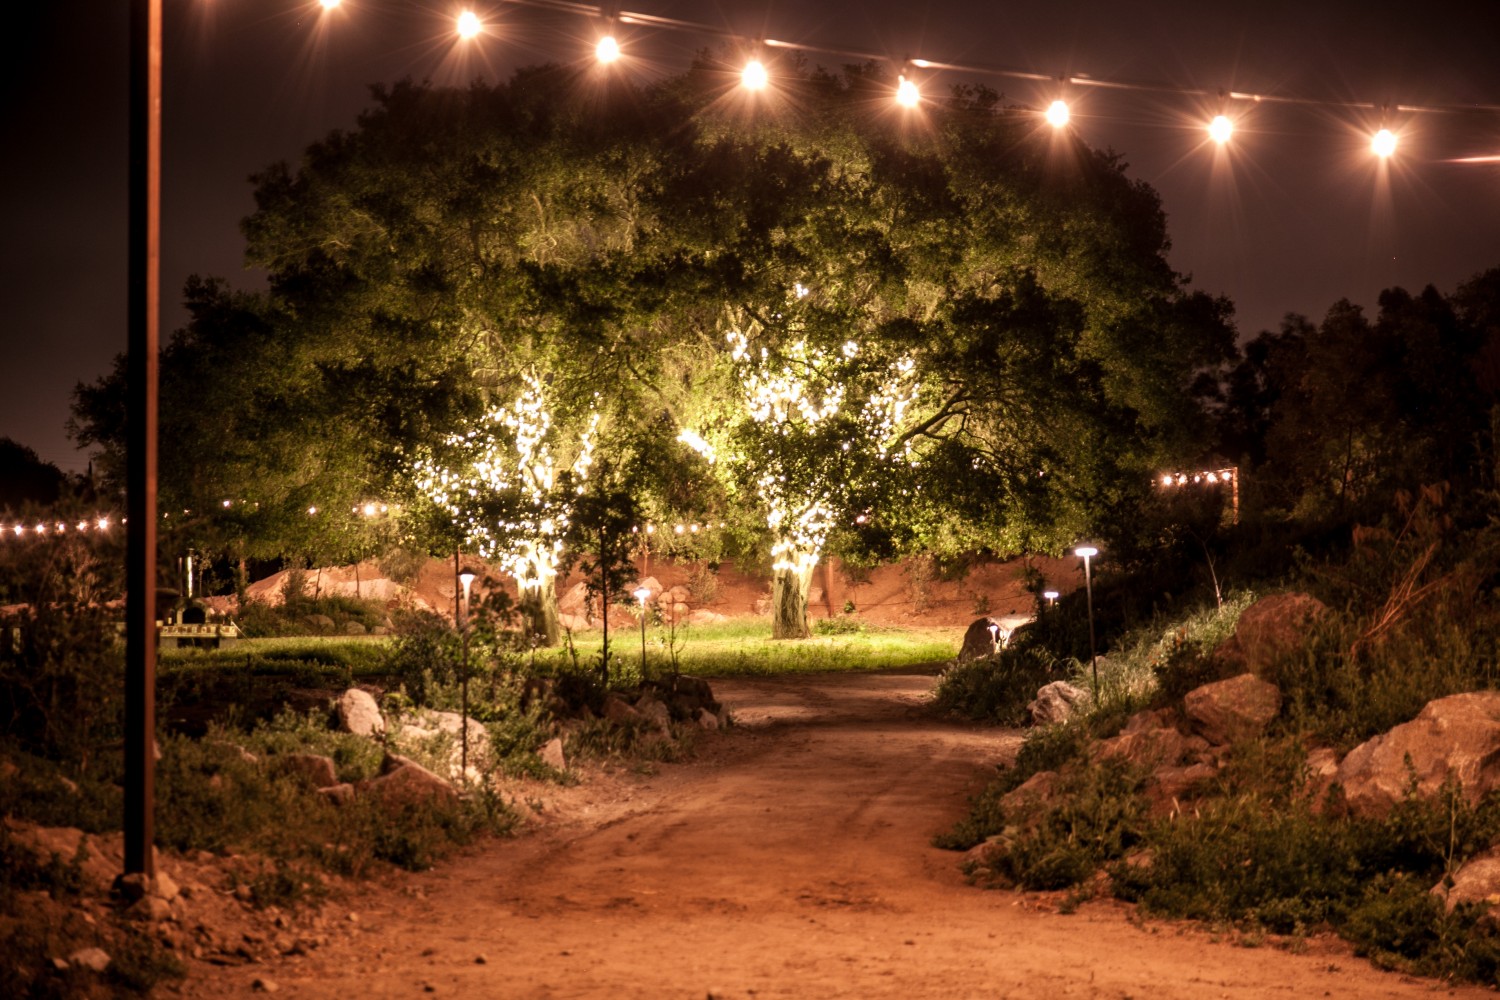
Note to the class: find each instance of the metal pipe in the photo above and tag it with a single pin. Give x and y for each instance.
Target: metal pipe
(143, 308)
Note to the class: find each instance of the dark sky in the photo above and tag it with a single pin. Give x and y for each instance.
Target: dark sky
(1296, 216)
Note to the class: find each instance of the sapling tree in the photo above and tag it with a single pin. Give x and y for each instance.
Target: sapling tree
(508, 486)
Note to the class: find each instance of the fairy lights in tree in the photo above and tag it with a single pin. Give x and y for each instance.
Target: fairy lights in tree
(809, 427)
(502, 488)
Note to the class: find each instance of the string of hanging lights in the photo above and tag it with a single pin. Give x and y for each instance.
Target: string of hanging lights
(756, 75)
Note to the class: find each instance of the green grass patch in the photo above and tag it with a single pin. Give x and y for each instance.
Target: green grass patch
(744, 646)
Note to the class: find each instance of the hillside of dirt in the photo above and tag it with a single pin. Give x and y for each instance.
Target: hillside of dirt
(908, 593)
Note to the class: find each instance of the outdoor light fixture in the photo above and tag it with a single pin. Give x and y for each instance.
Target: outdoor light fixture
(754, 75)
(607, 50)
(330, 4)
(1058, 114)
(908, 94)
(469, 25)
(1051, 596)
(994, 637)
(1220, 129)
(643, 594)
(1383, 144)
(1086, 553)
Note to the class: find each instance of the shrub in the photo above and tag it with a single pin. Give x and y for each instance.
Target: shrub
(997, 688)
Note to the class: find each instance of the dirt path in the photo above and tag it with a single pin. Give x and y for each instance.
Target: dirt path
(790, 858)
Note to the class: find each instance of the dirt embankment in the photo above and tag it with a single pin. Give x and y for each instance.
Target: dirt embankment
(908, 593)
(790, 858)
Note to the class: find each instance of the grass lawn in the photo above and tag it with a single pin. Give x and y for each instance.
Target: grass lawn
(739, 646)
(744, 646)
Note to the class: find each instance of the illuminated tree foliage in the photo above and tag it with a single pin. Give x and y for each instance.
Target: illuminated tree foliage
(500, 488)
(959, 333)
(807, 433)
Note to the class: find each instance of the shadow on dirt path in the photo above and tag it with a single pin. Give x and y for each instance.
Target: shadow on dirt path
(790, 858)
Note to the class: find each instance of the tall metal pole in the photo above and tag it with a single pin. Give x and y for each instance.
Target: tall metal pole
(143, 305)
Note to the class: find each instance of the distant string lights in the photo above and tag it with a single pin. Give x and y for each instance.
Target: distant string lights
(756, 75)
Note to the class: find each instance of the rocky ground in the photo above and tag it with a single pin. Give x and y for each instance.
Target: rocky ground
(790, 857)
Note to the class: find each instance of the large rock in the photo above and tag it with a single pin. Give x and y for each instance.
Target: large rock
(1456, 737)
(1270, 629)
(1477, 881)
(407, 783)
(1232, 710)
(358, 713)
(93, 959)
(1056, 702)
(552, 754)
(618, 711)
(981, 639)
(1149, 741)
(317, 770)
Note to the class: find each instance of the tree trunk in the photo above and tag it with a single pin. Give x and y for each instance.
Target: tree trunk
(538, 606)
(789, 587)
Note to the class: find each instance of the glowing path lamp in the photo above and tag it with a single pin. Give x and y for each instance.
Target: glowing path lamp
(754, 76)
(466, 578)
(1051, 596)
(1087, 553)
(643, 595)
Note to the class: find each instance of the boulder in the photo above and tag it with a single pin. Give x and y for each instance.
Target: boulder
(707, 719)
(93, 959)
(1028, 797)
(981, 639)
(358, 713)
(1173, 782)
(1232, 710)
(654, 710)
(1056, 702)
(703, 616)
(315, 769)
(1477, 881)
(1149, 740)
(552, 754)
(408, 784)
(320, 622)
(1456, 737)
(153, 909)
(618, 711)
(677, 595)
(355, 628)
(1269, 629)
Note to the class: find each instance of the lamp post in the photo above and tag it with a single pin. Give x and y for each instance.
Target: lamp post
(467, 579)
(643, 595)
(1087, 552)
(1051, 596)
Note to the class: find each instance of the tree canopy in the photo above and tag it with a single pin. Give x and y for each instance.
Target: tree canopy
(635, 246)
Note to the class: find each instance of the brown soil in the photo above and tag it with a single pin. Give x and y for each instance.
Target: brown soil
(907, 593)
(790, 857)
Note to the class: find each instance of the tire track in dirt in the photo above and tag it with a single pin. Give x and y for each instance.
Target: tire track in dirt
(791, 858)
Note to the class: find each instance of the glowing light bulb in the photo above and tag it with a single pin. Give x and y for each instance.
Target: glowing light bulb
(469, 25)
(754, 75)
(330, 4)
(1058, 114)
(608, 50)
(1220, 129)
(908, 95)
(1383, 144)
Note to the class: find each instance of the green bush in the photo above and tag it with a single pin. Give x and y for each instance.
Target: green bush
(997, 688)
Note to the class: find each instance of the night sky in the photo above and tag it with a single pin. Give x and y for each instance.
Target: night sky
(1294, 217)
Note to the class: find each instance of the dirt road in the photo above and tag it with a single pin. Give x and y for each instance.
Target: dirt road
(790, 858)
